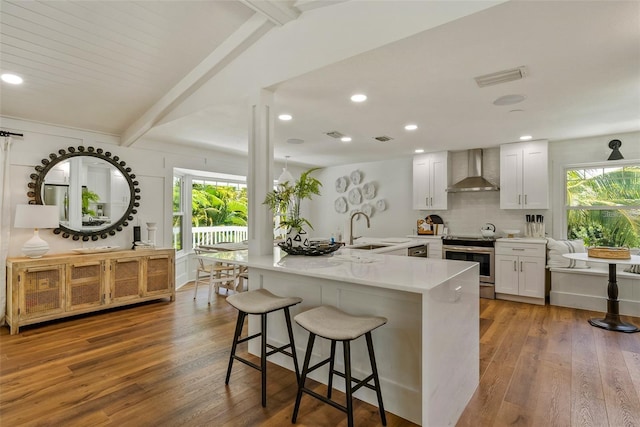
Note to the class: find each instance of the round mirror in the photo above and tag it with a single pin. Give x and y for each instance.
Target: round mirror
(96, 192)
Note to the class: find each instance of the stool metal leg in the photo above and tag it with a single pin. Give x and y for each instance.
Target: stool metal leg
(263, 357)
(331, 366)
(236, 336)
(303, 376)
(347, 381)
(374, 369)
(287, 317)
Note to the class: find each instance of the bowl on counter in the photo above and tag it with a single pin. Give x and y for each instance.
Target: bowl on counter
(511, 233)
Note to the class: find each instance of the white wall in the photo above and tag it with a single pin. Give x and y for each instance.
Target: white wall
(151, 162)
(578, 151)
(467, 212)
(392, 179)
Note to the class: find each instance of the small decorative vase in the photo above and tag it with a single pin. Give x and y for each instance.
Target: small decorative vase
(297, 237)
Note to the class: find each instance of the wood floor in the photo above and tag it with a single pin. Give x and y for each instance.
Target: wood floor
(163, 364)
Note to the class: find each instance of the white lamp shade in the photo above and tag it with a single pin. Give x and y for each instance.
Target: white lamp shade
(37, 216)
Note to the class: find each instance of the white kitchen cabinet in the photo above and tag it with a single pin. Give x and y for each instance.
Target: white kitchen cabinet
(524, 175)
(520, 270)
(430, 181)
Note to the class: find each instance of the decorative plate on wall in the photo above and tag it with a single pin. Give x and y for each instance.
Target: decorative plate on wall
(367, 209)
(355, 197)
(356, 177)
(340, 205)
(369, 190)
(341, 184)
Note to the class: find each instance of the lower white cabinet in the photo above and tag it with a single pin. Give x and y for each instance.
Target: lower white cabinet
(520, 269)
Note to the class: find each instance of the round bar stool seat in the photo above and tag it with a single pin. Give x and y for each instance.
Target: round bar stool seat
(261, 302)
(333, 324)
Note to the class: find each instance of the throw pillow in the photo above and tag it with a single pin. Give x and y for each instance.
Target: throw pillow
(556, 248)
(633, 268)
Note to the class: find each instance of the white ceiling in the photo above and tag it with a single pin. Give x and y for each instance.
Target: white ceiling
(182, 71)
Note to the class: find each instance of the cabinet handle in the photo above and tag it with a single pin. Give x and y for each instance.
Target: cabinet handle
(515, 268)
(431, 200)
(517, 249)
(521, 266)
(426, 201)
(519, 197)
(525, 199)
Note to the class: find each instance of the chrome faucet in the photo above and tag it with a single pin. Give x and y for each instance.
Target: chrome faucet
(351, 226)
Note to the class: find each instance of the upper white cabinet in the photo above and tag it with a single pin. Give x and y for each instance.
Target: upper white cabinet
(430, 181)
(524, 175)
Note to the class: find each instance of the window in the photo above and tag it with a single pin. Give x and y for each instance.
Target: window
(603, 204)
(178, 213)
(213, 208)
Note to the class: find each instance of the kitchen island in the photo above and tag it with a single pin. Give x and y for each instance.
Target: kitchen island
(427, 353)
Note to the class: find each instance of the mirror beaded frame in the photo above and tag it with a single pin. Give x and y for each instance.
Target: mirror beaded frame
(37, 180)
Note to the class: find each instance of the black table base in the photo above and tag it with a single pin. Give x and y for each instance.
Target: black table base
(611, 321)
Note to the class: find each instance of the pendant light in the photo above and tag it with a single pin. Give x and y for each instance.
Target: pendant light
(285, 175)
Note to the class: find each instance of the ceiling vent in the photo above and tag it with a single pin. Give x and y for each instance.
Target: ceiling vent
(335, 134)
(501, 77)
(382, 138)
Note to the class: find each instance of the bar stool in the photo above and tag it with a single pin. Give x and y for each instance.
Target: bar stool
(262, 302)
(330, 323)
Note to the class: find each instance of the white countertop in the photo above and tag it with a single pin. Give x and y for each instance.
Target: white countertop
(411, 274)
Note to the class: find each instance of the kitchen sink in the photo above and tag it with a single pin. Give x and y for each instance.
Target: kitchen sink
(369, 247)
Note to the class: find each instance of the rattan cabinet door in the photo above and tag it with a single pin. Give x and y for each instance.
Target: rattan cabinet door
(126, 279)
(41, 291)
(85, 285)
(159, 275)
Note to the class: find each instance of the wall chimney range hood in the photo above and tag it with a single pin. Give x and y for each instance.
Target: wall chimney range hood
(474, 181)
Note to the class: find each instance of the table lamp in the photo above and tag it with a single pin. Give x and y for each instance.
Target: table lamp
(36, 216)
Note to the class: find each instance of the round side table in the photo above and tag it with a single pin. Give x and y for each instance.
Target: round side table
(611, 321)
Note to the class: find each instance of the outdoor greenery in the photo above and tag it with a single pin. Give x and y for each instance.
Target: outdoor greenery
(604, 206)
(285, 200)
(213, 205)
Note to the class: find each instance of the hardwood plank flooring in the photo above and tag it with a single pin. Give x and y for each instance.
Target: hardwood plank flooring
(163, 363)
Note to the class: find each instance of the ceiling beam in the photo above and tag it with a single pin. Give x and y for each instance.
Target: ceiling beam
(278, 12)
(231, 48)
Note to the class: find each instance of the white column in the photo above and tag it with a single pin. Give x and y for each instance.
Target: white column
(260, 174)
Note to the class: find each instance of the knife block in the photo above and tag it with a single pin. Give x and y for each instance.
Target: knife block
(534, 229)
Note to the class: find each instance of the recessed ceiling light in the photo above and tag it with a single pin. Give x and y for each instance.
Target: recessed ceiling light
(525, 137)
(509, 100)
(419, 150)
(411, 127)
(345, 139)
(285, 117)
(11, 79)
(359, 97)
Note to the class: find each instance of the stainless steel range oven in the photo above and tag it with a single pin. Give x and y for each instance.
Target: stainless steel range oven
(475, 249)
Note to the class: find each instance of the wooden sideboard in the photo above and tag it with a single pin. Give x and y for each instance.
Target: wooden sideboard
(61, 285)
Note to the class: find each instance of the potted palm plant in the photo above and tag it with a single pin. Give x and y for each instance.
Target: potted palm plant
(285, 202)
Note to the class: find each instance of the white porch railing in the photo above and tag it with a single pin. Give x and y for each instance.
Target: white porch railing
(213, 235)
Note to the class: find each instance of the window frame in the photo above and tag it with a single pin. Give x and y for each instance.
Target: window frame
(605, 164)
